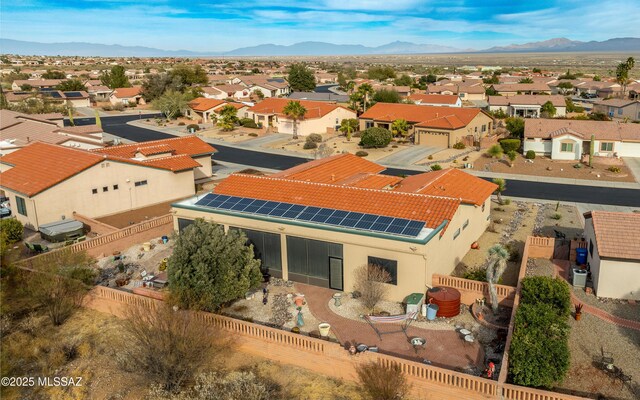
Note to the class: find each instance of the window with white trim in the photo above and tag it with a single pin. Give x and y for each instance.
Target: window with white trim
(456, 234)
(566, 147)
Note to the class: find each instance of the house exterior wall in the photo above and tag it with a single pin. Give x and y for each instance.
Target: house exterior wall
(81, 145)
(206, 170)
(538, 145)
(79, 102)
(631, 111)
(556, 148)
(75, 193)
(416, 262)
(627, 149)
(316, 125)
(617, 279)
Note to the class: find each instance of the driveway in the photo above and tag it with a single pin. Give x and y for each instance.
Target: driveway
(265, 140)
(634, 165)
(409, 156)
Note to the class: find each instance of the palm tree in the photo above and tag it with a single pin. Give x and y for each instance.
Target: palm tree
(400, 127)
(502, 186)
(295, 111)
(622, 73)
(498, 257)
(348, 126)
(350, 86)
(365, 90)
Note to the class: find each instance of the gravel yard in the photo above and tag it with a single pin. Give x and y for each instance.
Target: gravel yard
(588, 338)
(619, 308)
(540, 267)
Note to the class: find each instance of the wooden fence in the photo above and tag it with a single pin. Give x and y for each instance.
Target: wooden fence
(471, 290)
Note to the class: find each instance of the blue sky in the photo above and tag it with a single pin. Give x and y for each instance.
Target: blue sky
(221, 25)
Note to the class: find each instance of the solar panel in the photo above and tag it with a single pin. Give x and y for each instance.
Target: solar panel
(55, 95)
(353, 220)
(73, 94)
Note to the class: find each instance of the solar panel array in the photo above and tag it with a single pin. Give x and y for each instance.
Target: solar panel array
(73, 94)
(327, 216)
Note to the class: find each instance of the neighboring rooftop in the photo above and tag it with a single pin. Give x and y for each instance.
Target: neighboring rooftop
(421, 98)
(527, 99)
(603, 130)
(426, 116)
(273, 105)
(617, 234)
(186, 145)
(124, 93)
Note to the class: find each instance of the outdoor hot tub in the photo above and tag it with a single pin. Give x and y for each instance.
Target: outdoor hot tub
(62, 230)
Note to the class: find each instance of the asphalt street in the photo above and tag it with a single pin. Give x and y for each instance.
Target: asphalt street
(526, 189)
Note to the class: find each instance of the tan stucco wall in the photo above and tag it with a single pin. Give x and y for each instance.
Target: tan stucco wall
(416, 262)
(205, 171)
(316, 125)
(75, 194)
(473, 128)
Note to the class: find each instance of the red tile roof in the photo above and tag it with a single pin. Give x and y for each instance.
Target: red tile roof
(331, 169)
(427, 116)
(617, 234)
(189, 145)
(204, 104)
(370, 181)
(172, 163)
(430, 209)
(40, 166)
(449, 183)
(123, 93)
(315, 109)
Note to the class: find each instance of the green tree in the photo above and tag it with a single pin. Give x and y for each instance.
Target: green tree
(13, 229)
(52, 74)
(115, 78)
(301, 78)
(565, 87)
(189, 75)
(25, 87)
(526, 80)
(71, 85)
(548, 109)
(568, 76)
(511, 155)
(375, 138)
(536, 71)
(366, 91)
(403, 80)
(546, 290)
(209, 268)
(172, 104)
(259, 93)
(400, 127)
(515, 126)
(348, 126)
(502, 186)
(498, 257)
(296, 111)
(386, 96)
(342, 81)
(431, 78)
(495, 151)
(622, 74)
(228, 117)
(596, 78)
(157, 84)
(381, 73)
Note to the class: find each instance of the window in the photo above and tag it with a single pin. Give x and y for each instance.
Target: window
(368, 124)
(483, 205)
(566, 147)
(183, 223)
(22, 207)
(591, 247)
(484, 128)
(105, 188)
(476, 129)
(466, 223)
(309, 260)
(456, 234)
(391, 266)
(94, 191)
(141, 183)
(266, 247)
(619, 111)
(115, 187)
(606, 146)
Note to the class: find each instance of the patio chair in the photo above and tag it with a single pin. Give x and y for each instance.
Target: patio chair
(560, 235)
(40, 248)
(406, 320)
(30, 247)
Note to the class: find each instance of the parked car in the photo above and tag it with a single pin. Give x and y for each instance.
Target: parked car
(5, 212)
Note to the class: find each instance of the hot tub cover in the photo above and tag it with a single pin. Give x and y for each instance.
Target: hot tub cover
(60, 227)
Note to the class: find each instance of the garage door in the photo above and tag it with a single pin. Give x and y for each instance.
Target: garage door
(434, 139)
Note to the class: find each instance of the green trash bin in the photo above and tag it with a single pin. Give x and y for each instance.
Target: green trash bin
(414, 303)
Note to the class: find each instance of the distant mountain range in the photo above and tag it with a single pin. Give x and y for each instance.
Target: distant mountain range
(10, 46)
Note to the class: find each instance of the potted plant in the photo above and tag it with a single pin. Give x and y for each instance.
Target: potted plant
(578, 311)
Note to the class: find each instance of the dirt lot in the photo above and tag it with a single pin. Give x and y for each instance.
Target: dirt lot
(456, 156)
(559, 168)
(339, 144)
(124, 219)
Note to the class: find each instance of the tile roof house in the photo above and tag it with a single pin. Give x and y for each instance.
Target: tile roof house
(467, 91)
(521, 88)
(18, 130)
(441, 100)
(613, 257)
(527, 106)
(619, 109)
(130, 96)
(203, 109)
(269, 86)
(320, 117)
(571, 139)
(35, 83)
(48, 182)
(431, 125)
(317, 222)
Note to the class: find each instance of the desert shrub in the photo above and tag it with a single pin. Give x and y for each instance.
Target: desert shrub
(181, 123)
(382, 382)
(195, 127)
(361, 153)
(510, 145)
(613, 169)
(118, 107)
(253, 134)
(107, 107)
(375, 138)
(543, 289)
(495, 151)
(314, 137)
(506, 202)
(476, 274)
(370, 281)
(430, 157)
(310, 145)
(436, 167)
(577, 166)
(531, 155)
(248, 123)
(459, 146)
(12, 228)
(556, 216)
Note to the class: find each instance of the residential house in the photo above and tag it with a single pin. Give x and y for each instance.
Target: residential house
(329, 96)
(430, 125)
(440, 100)
(571, 139)
(17, 130)
(521, 88)
(270, 87)
(17, 85)
(129, 97)
(222, 92)
(618, 109)
(206, 110)
(613, 240)
(527, 106)
(326, 77)
(47, 182)
(466, 91)
(318, 222)
(99, 93)
(321, 117)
